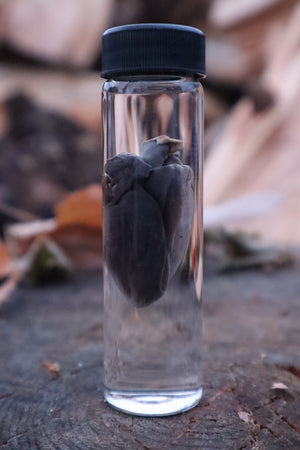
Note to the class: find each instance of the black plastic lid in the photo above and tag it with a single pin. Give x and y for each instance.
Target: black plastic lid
(153, 48)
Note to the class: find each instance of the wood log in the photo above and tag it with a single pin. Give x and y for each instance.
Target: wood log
(43, 156)
(64, 32)
(229, 13)
(258, 151)
(252, 27)
(75, 94)
(191, 12)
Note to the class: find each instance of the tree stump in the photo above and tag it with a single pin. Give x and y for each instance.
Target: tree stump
(51, 378)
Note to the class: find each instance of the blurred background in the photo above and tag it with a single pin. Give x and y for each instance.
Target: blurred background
(50, 120)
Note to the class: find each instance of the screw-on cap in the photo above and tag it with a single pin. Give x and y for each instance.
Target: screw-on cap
(153, 48)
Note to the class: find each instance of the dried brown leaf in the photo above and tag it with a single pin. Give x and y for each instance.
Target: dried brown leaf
(52, 367)
(82, 245)
(20, 236)
(77, 229)
(83, 207)
(5, 261)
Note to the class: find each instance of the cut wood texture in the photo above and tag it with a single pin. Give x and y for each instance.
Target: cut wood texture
(229, 13)
(61, 31)
(244, 30)
(258, 152)
(51, 385)
(225, 61)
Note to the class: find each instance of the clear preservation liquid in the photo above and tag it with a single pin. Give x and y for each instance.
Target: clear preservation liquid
(153, 328)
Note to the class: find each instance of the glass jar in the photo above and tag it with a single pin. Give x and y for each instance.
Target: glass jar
(152, 220)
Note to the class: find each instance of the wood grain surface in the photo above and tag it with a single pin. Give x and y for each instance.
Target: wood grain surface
(51, 376)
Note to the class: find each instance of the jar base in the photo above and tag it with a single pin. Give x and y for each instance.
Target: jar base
(154, 403)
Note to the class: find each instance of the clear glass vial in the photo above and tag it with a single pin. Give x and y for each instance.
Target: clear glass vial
(152, 217)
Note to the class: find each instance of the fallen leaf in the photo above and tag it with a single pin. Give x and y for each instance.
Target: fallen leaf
(83, 207)
(77, 229)
(193, 420)
(81, 244)
(52, 367)
(20, 236)
(5, 261)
